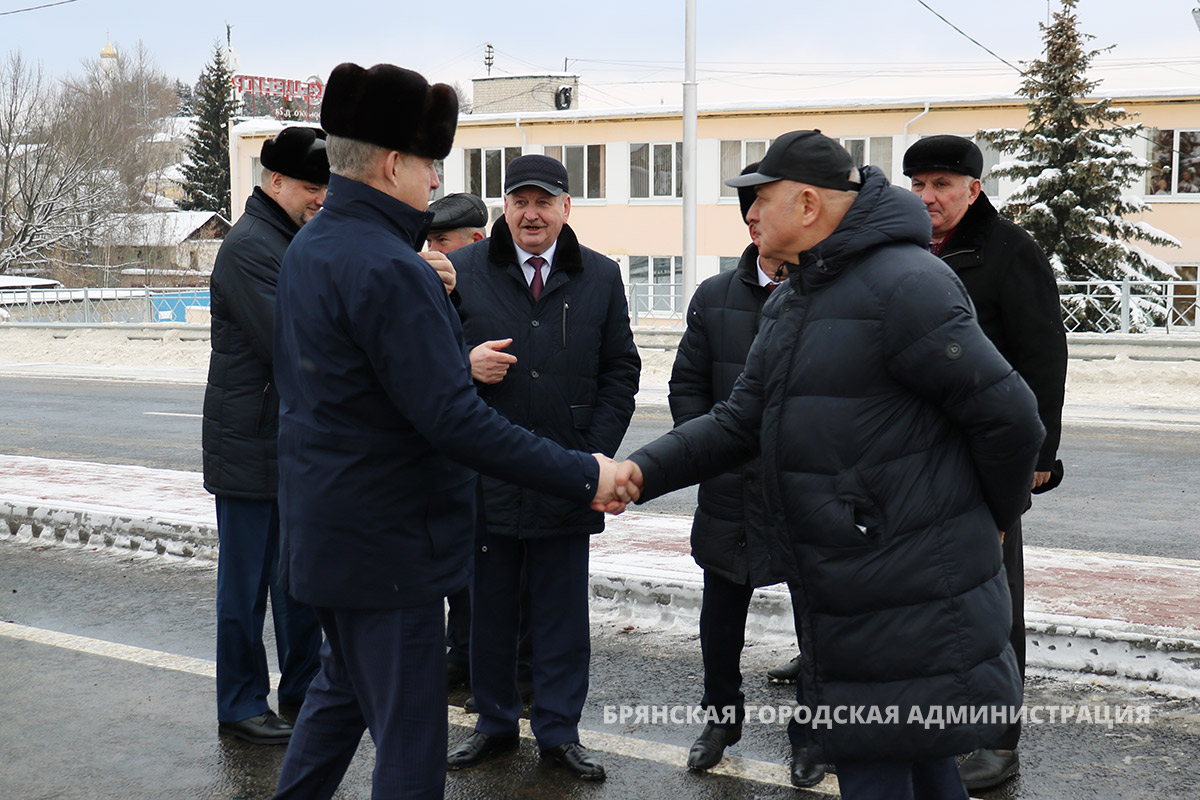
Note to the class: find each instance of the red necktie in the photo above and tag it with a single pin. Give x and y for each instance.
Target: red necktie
(772, 287)
(536, 284)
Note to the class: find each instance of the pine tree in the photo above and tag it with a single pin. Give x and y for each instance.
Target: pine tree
(1075, 170)
(206, 174)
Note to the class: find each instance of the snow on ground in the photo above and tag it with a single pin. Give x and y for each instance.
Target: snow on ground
(1117, 381)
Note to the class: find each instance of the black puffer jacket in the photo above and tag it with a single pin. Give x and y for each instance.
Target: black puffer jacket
(729, 530)
(241, 406)
(1016, 300)
(577, 366)
(895, 442)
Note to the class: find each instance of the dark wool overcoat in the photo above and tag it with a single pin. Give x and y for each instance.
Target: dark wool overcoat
(380, 428)
(1017, 305)
(896, 442)
(576, 372)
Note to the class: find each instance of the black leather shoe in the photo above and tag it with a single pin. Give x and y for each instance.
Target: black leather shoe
(479, 747)
(984, 769)
(290, 711)
(576, 759)
(266, 728)
(788, 673)
(805, 771)
(710, 745)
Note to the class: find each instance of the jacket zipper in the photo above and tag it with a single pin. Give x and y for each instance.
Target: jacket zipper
(566, 305)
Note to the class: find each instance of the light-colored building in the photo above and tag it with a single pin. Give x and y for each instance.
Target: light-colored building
(625, 167)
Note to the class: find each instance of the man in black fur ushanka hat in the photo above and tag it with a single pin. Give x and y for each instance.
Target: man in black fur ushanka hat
(380, 433)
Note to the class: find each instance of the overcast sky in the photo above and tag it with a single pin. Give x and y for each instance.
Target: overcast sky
(629, 52)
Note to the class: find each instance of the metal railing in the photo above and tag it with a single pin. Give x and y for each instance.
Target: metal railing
(1087, 306)
(1127, 306)
(87, 306)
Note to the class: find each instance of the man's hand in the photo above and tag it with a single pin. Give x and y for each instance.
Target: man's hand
(606, 493)
(629, 482)
(444, 268)
(489, 362)
(1039, 478)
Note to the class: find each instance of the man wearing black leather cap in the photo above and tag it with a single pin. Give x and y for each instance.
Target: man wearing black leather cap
(241, 413)
(458, 220)
(1016, 300)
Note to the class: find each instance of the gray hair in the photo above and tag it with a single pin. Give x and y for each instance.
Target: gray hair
(352, 158)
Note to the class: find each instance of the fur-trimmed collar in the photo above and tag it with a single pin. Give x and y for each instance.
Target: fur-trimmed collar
(502, 251)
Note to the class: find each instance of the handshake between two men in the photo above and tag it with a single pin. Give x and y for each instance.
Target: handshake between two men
(619, 485)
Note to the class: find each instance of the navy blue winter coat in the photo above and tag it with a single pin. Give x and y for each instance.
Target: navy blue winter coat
(896, 442)
(729, 532)
(241, 408)
(380, 424)
(576, 372)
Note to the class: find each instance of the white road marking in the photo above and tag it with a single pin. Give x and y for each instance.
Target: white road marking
(628, 746)
(170, 414)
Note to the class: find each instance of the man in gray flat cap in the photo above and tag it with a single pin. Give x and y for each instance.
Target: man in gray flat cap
(458, 220)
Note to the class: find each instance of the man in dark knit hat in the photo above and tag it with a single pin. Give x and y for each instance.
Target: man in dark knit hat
(241, 413)
(380, 432)
(1016, 300)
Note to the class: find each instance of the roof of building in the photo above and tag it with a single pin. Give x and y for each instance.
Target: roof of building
(166, 229)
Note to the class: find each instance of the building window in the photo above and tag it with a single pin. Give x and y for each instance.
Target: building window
(730, 262)
(735, 155)
(1174, 162)
(656, 169)
(439, 167)
(585, 168)
(656, 285)
(485, 169)
(991, 157)
(874, 150)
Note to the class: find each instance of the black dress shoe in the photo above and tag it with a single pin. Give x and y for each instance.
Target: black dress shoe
(478, 747)
(710, 745)
(266, 728)
(576, 759)
(805, 771)
(788, 673)
(984, 769)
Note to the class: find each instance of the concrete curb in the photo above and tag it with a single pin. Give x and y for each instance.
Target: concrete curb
(1163, 660)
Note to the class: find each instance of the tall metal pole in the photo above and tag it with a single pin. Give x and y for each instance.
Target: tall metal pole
(689, 156)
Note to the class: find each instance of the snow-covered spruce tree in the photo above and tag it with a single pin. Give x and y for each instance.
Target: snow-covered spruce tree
(206, 175)
(1076, 176)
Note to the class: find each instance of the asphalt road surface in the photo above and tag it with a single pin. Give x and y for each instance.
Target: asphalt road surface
(1129, 488)
(107, 692)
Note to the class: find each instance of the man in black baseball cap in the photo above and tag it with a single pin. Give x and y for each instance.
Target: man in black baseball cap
(1016, 300)
(239, 443)
(458, 220)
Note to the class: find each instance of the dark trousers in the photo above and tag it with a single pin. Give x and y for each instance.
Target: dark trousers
(458, 633)
(557, 575)
(935, 779)
(723, 610)
(247, 571)
(383, 671)
(1014, 568)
